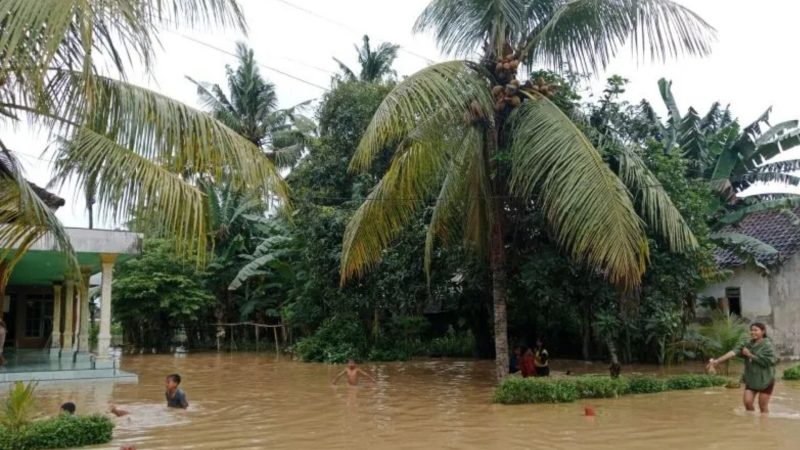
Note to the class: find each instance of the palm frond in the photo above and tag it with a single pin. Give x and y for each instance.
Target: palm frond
(448, 88)
(586, 204)
(788, 165)
(416, 171)
(26, 219)
(455, 205)
(132, 185)
(655, 204)
(462, 26)
(773, 178)
(69, 33)
(160, 129)
(586, 34)
(674, 114)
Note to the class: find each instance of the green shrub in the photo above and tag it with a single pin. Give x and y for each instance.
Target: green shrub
(646, 385)
(694, 381)
(514, 390)
(64, 431)
(792, 373)
(453, 344)
(600, 386)
(337, 340)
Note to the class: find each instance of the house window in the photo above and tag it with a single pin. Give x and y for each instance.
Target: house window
(38, 316)
(734, 300)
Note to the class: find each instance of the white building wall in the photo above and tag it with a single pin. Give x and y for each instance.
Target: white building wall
(754, 292)
(784, 291)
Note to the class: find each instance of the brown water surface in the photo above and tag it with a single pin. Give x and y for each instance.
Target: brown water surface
(257, 401)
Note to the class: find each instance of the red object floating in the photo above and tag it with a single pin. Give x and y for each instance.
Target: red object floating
(588, 411)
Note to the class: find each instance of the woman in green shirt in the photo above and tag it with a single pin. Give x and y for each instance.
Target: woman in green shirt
(759, 367)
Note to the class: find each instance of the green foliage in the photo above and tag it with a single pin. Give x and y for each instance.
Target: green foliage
(514, 390)
(453, 344)
(722, 334)
(694, 381)
(157, 293)
(792, 373)
(64, 431)
(17, 411)
(646, 385)
(340, 338)
(601, 386)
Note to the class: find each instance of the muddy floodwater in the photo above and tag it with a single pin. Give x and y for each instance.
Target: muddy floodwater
(257, 402)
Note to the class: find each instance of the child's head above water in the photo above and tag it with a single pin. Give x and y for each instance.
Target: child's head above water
(351, 363)
(68, 407)
(173, 381)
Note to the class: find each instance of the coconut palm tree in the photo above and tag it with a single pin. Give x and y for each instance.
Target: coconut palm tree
(479, 143)
(251, 109)
(140, 149)
(376, 65)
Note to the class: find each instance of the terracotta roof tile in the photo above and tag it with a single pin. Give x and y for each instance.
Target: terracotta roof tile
(771, 227)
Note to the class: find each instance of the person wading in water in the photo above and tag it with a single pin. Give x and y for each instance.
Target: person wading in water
(759, 367)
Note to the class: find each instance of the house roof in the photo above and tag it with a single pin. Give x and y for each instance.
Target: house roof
(51, 200)
(775, 228)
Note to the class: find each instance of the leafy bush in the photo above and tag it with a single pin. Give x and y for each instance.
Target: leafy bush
(515, 390)
(64, 431)
(792, 373)
(646, 385)
(692, 381)
(337, 340)
(453, 344)
(17, 409)
(601, 387)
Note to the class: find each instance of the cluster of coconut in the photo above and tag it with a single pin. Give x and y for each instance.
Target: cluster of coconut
(509, 92)
(506, 68)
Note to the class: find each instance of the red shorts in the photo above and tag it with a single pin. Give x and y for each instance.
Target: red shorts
(767, 390)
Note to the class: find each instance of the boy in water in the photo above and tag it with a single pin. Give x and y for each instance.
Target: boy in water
(176, 398)
(352, 374)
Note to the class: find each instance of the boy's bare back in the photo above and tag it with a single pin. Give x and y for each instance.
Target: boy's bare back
(353, 373)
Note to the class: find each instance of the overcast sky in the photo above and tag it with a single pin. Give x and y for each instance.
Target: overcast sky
(751, 68)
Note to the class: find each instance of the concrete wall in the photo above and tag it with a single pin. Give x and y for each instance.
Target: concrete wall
(784, 292)
(754, 291)
(774, 300)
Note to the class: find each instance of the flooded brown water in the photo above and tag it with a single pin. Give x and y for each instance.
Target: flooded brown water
(248, 401)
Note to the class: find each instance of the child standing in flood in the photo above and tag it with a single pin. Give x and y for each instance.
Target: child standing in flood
(352, 373)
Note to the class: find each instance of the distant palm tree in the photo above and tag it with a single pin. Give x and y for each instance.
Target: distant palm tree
(136, 150)
(481, 144)
(251, 109)
(376, 65)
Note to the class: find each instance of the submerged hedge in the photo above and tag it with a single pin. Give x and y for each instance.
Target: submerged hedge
(64, 431)
(516, 390)
(792, 373)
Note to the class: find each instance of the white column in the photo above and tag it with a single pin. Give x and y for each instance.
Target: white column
(55, 337)
(83, 334)
(104, 337)
(69, 322)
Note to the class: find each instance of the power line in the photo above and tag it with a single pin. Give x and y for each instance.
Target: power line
(221, 50)
(348, 27)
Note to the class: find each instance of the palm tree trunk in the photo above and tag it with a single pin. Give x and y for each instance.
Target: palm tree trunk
(497, 262)
(586, 325)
